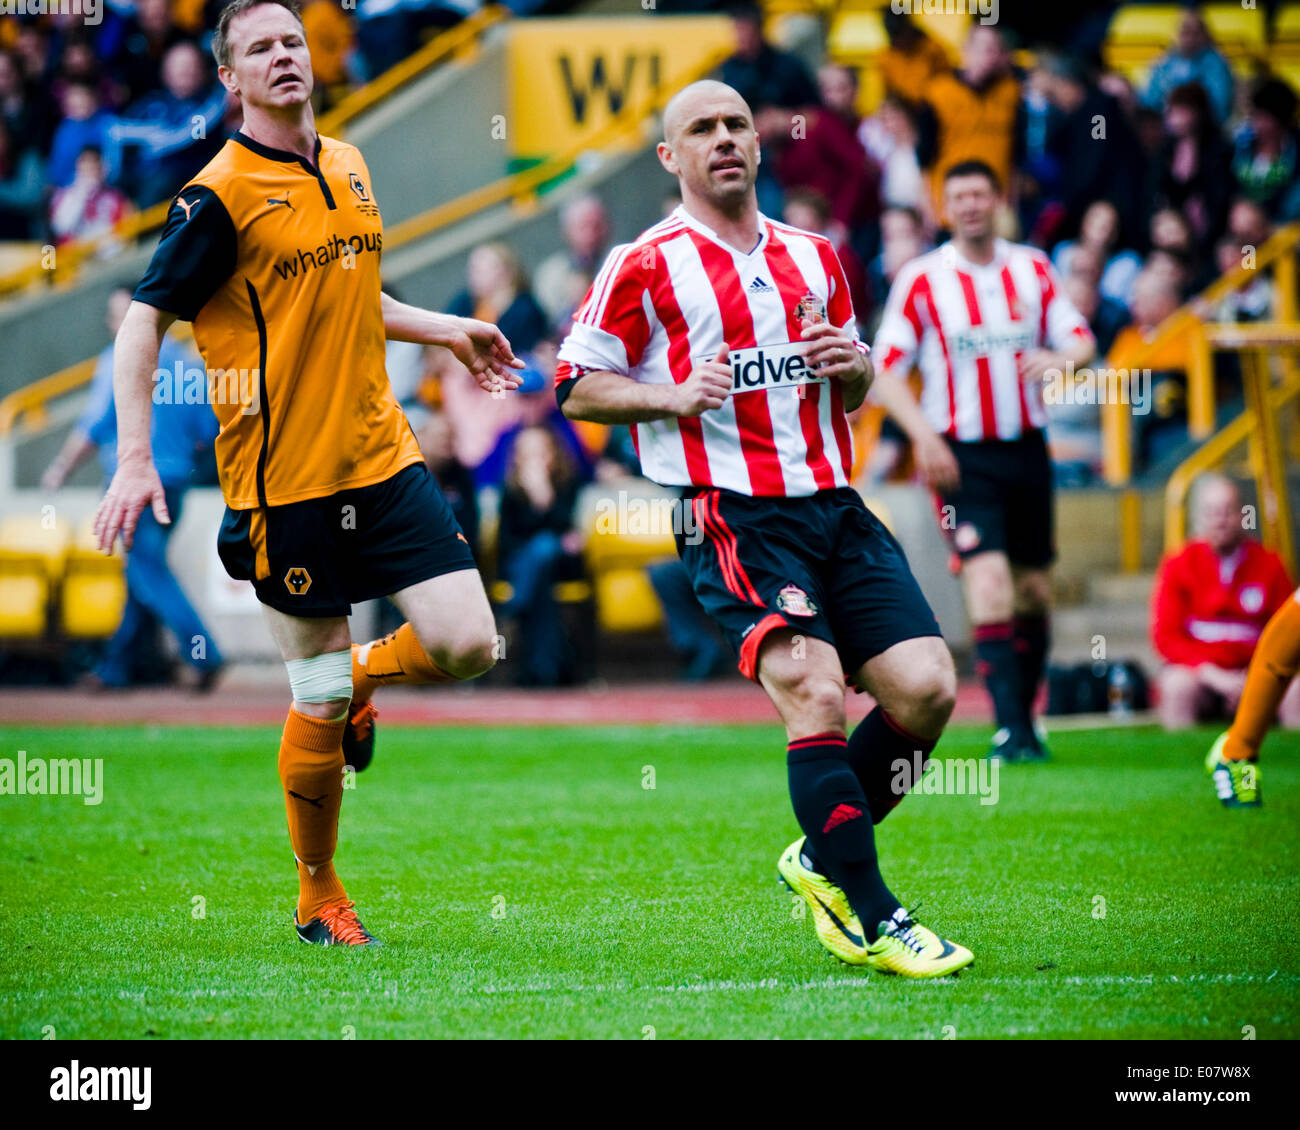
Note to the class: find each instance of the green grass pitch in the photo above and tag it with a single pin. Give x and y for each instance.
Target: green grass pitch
(526, 883)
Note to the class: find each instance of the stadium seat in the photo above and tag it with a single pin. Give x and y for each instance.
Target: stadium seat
(856, 36)
(94, 588)
(1138, 35)
(1237, 30)
(625, 599)
(33, 536)
(24, 597)
(1286, 25)
(1144, 25)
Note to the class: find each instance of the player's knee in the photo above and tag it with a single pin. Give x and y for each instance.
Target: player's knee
(470, 656)
(1033, 593)
(929, 693)
(814, 699)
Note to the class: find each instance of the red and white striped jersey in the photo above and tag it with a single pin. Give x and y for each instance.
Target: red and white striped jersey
(670, 299)
(965, 327)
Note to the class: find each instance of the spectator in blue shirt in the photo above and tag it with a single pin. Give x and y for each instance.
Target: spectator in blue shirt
(181, 438)
(165, 138)
(84, 126)
(1193, 58)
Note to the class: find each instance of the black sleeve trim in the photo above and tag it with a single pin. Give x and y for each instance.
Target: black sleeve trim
(195, 255)
(564, 388)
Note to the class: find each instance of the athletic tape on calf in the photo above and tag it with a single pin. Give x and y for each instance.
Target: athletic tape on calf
(322, 678)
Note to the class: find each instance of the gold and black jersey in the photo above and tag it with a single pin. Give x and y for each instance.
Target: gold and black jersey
(276, 263)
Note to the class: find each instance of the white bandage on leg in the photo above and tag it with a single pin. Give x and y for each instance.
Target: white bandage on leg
(323, 678)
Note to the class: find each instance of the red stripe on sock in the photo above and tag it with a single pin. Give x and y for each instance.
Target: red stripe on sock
(998, 631)
(827, 738)
(911, 737)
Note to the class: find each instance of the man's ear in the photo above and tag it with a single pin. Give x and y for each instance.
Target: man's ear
(227, 77)
(666, 158)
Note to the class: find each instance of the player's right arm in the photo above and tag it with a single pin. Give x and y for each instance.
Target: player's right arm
(605, 397)
(611, 328)
(897, 342)
(194, 257)
(135, 483)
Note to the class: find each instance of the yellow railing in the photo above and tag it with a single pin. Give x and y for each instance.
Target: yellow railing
(30, 405)
(1259, 425)
(457, 42)
(1187, 322)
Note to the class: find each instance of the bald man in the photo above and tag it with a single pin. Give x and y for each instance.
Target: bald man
(1211, 601)
(728, 342)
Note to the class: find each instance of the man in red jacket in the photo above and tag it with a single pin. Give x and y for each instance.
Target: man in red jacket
(1211, 601)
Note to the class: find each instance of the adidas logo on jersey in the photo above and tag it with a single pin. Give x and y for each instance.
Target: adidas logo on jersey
(760, 285)
(770, 366)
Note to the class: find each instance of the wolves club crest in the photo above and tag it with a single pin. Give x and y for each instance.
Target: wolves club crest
(297, 580)
(793, 601)
(810, 310)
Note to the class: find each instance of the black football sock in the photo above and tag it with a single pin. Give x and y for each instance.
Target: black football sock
(1033, 637)
(997, 662)
(832, 811)
(887, 761)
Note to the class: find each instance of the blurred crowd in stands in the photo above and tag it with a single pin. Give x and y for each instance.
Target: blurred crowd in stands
(98, 120)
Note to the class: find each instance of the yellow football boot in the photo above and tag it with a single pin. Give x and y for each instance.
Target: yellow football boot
(911, 950)
(838, 928)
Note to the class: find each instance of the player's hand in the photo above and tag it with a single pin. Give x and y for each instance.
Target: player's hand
(937, 464)
(135, 485)
(1035, 364)
(833, 352)
(485, 352)
(708, 385)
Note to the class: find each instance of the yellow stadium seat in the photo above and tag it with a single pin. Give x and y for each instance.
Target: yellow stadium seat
(1234, 28)
(93, 593)
(1286, 24)
(856, 35)
(36, 536)
(626, 601)
(24, 599)
(617, 559)
(1145, 25)
(91, 603)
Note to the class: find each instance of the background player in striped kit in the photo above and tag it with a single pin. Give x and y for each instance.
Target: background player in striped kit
(985, 321)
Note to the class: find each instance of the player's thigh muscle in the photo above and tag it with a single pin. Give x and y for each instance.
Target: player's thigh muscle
(915, 683)
(450, 613)
(300, 637)
(803, 678)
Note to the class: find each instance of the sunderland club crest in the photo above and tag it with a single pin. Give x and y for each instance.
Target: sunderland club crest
(810, 310)
(793, 601)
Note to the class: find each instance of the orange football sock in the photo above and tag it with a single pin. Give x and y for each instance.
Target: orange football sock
(1275, 663)
(311, 770)
(397, 658)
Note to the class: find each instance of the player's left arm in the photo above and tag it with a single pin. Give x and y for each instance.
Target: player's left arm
(480, 346)
(1067, 341)
(834, 348)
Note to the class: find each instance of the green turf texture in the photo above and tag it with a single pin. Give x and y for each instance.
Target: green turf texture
(525, 883)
